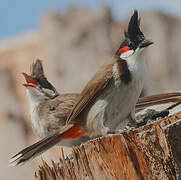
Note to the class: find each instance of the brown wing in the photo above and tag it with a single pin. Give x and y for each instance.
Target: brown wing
(58, 107)
(61, 107)
(93, 88)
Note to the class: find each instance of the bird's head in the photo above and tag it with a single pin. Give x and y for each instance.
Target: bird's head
(135, 41)
(37, 85)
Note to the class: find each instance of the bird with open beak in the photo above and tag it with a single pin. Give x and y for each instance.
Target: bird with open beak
(48, 108)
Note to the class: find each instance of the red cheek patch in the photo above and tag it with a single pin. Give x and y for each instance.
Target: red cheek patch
(124, 49)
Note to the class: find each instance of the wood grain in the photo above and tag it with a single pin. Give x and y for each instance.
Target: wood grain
(150, 152)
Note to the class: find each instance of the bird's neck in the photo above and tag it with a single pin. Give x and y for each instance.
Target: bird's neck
(137, 64)
(33, 102)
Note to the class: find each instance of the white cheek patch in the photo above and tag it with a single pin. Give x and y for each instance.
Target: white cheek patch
(126, 54)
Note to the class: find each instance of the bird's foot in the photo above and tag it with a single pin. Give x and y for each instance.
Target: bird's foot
(119, 131)
(105, 130)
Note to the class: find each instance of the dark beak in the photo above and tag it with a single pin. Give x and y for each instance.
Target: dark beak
(145, 43)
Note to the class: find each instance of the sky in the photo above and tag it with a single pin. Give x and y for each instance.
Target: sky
(19, 16)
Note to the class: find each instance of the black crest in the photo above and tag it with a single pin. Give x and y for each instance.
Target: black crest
(134, 32)
(38, 75)
(133, 36)
(37, 69)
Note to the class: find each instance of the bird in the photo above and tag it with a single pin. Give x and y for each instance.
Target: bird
(108, 100)
(48, 108)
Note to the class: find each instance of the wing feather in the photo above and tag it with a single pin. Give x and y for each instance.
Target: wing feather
(61, 107)
(157, 99)
(93, 88)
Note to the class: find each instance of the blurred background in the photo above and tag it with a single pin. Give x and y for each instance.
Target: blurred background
(73, 38)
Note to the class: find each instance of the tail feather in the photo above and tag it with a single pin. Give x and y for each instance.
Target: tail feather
(167, 98)
(69, 131)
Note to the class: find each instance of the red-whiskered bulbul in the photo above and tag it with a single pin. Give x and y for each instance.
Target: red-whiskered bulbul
(48, 108)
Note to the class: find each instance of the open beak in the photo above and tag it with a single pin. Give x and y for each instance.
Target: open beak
(30, 82)
(145, 43)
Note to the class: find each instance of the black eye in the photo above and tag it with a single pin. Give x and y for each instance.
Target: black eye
(131, 45)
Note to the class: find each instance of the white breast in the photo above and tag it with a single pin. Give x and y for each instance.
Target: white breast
(35, 119)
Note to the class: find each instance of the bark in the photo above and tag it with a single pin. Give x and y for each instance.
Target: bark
(149, 152)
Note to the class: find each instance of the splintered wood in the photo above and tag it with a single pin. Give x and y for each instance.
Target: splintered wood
(150, 152)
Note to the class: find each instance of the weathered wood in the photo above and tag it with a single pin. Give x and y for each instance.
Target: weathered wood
(150, 152)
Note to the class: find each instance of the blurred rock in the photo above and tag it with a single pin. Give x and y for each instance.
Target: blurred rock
(77, 44)
(73, 46)
(164, 58)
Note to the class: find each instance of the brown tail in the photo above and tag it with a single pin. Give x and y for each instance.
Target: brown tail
(68, 132)
(158, 99)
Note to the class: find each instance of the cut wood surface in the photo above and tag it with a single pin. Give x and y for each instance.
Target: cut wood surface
(150, 152)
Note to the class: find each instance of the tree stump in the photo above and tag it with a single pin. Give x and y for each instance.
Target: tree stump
(150, 152)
